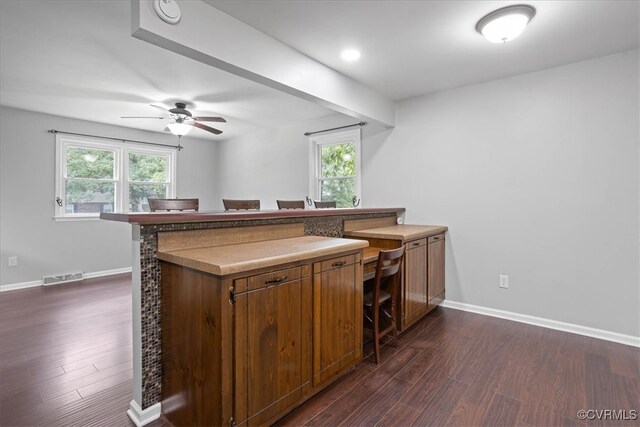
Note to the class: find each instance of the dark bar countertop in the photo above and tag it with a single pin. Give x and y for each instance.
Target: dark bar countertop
(145, 218)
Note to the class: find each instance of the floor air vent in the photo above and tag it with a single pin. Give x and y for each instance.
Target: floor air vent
(61, 278)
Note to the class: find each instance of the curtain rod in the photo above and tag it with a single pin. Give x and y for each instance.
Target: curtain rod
(341, 127)
(55, 131)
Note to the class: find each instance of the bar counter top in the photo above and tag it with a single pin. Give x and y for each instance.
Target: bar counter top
(230, 259)
(149, 218)
(399, 232)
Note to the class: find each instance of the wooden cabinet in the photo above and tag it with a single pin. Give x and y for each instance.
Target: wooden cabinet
(414, 289)
(423, 284)
(435, 262)
(245, 348)
(272, 344)
(196, 341)
(422, 287)
(337, 308)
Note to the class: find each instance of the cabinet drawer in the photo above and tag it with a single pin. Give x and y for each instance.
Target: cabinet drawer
(416, 243)
(436, 238)
(274, 278)
(337, 262)
(369, 269)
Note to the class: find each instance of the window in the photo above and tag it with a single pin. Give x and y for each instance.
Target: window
(335, 167)
(95, 176)
(147, 177)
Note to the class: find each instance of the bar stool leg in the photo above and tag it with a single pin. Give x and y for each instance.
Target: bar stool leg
(376, 332)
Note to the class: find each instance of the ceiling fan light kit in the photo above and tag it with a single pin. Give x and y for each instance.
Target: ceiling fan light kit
(505, 24)
(179, 128)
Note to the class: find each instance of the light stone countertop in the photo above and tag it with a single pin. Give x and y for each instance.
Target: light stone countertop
(230, 259)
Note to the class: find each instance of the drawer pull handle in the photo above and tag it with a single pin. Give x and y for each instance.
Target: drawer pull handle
(436, 238)
(338, 264)
(276, 280)
(416, 244)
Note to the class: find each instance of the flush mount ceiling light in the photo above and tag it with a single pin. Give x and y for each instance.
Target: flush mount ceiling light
(350, 55)
(505, 24)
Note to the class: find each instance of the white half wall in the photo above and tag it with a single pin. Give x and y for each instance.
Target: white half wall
(27, 230)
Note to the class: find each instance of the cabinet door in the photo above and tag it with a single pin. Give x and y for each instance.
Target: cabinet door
(196, 347)
(273, 342)
(436, 270)
(337, 306)
(415, 281)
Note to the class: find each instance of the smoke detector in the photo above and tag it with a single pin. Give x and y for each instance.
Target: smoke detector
(168, 11)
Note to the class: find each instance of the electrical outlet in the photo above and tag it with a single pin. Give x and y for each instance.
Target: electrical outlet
(13, 261)
(504, 281)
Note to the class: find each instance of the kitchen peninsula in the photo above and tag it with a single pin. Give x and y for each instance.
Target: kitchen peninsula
(225, 301)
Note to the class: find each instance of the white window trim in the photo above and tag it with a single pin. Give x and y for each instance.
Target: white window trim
(121, 172)
(316, 142)
(171, 166)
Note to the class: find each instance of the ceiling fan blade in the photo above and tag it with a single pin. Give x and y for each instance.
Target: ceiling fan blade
(136, 117)
(162, 108)
(210, 119)
(207, 128)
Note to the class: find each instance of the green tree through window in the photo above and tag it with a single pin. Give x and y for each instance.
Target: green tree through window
(90, 181)
(147, 179)
(94, 176)
(338, 172)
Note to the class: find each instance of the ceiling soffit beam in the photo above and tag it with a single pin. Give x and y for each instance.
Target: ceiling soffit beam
(212, 37)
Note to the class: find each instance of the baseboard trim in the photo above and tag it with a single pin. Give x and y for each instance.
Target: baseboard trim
(545, 323)
(21, 285)
(34, 283)
(107, 272)
(141, 417)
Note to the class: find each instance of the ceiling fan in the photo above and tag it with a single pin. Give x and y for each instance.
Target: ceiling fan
(183, 120)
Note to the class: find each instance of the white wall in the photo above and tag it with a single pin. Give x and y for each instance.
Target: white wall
(537, 177)
(273, 163)
(44, 246)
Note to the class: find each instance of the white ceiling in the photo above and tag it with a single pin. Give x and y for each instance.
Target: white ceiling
(411, 48)
(78, 59)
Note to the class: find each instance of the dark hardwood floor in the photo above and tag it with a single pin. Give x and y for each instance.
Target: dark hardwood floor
(65, 354)
(463, 369)
(65, 360)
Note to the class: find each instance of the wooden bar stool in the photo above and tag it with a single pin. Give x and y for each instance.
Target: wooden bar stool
(240, 204)
(381, 302)
(290, 204)
(325, 204)
(173, 204)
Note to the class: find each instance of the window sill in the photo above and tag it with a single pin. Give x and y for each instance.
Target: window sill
(75, 218)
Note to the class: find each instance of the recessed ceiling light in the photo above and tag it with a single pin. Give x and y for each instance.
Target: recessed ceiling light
(505, 24)
(350, 55)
